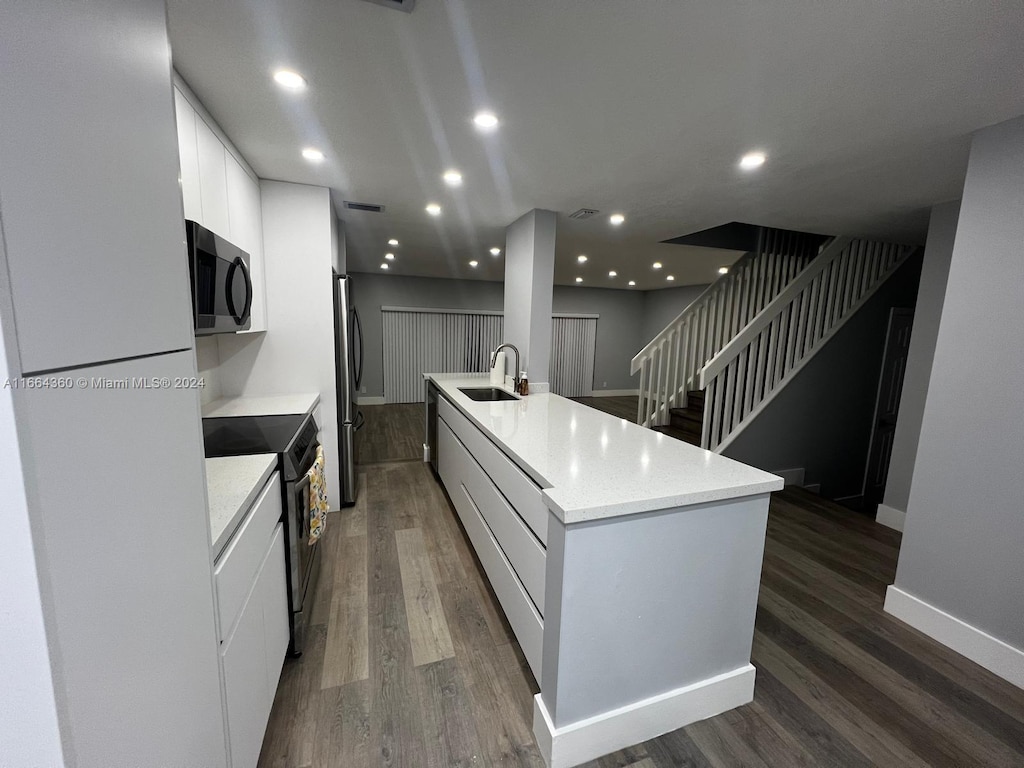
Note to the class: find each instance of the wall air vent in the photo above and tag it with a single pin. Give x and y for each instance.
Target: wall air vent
(584, 213)
(367, 207)
(398, 5)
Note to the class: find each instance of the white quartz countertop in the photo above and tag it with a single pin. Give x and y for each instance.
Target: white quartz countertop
(267, 405)
(232, 485)
(593, 465)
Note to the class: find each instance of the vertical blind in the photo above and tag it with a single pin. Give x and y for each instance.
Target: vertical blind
(453, 341)
(573, 343)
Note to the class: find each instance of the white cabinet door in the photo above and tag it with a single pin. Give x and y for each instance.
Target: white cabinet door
(254, 654)
(188, 154)
(121, 503)
(274, 589)
(246, 224)
(213, 185)
(89, 183)
(245, 682)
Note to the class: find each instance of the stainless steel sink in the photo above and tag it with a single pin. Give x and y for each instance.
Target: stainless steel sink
(486, 394)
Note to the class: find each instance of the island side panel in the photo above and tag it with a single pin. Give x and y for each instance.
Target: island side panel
(647, 604)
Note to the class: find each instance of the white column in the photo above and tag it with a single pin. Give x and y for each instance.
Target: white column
(529, 281)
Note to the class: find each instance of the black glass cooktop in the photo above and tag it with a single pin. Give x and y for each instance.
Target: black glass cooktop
(241, 435)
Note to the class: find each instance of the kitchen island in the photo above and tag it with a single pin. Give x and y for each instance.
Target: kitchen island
(626, 562)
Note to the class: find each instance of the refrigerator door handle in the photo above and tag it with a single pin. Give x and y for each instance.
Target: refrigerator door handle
(357, 340)
(360, 421)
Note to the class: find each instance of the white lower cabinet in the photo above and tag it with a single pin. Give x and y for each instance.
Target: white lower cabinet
(253, 655)
(513, 558)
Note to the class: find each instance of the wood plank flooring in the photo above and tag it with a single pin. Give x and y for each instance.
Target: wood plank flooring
(411, 663)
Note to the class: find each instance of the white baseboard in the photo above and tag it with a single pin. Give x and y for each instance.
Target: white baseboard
(790, 476)
(615, 393)
(978, 646)
(890, 517)
(608, 732)
(364, 400)
(813, 488)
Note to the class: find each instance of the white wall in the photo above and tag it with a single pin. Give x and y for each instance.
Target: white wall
(930, 294)
(963, 545)
(296, 354)
(208, 366)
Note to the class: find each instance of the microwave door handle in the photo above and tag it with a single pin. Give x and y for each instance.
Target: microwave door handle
(243, 318)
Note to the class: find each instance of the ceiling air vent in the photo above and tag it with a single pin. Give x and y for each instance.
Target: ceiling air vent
(584, 213)
(398, 5)
(368, 207)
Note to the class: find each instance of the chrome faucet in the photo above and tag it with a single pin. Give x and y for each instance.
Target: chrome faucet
(516, 381)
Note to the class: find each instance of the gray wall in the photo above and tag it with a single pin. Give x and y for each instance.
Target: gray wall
(963, 545)
(930, 294)
(661, 308)
(822, 420)
(370, 292)
(618, 328)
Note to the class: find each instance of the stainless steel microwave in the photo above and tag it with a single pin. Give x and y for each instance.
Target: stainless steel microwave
(221, 285)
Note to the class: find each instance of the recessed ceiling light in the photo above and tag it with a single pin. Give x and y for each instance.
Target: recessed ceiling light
(656, 265)
(723, 270)
(615, 219)
(433, 209)
(632, 282)
(293, 81)
(752, 160)
(452, 178)
(474, 263)
(495, 251)
(670, 278)
(385, 265)
(389, 256)
(485, 121)
(581, 259)
(579, 279)
(613, 273)
(313, 155)
(392, 242)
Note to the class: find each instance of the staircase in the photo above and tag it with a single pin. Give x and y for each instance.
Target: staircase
(686, 423)
(719, 363)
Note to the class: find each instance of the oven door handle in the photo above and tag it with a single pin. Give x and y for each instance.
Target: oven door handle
(302, 510)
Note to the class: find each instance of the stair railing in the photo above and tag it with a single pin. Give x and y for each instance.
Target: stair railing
(669, 364)
(755, 365)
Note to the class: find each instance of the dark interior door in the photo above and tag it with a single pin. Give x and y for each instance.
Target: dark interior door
(887, 406)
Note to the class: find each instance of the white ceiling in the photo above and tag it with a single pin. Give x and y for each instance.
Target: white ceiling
(864, 108)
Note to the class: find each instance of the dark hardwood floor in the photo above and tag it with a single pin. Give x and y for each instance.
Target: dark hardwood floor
(624, 407)
(411, 663)
(390, 433)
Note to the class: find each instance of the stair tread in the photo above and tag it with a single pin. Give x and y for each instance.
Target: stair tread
(678, 434)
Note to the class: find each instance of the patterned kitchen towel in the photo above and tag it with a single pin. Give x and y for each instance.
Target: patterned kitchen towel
(317, 497)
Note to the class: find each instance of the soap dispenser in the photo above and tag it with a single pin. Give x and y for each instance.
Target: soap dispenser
(524, 384)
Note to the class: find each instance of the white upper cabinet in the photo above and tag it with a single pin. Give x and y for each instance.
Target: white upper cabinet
(188, 153)
(89, 183)
(220, 193)
(213, 183)
(246, 223)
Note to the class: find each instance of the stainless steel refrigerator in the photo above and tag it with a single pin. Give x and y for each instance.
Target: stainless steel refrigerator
(348, 365)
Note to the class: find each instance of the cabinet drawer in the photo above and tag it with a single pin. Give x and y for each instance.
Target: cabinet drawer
(520, 547)
(234, 572)
(523, 494)
(526, 622)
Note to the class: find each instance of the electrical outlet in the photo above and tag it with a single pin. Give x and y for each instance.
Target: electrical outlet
(604, 384)
(362, 391)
